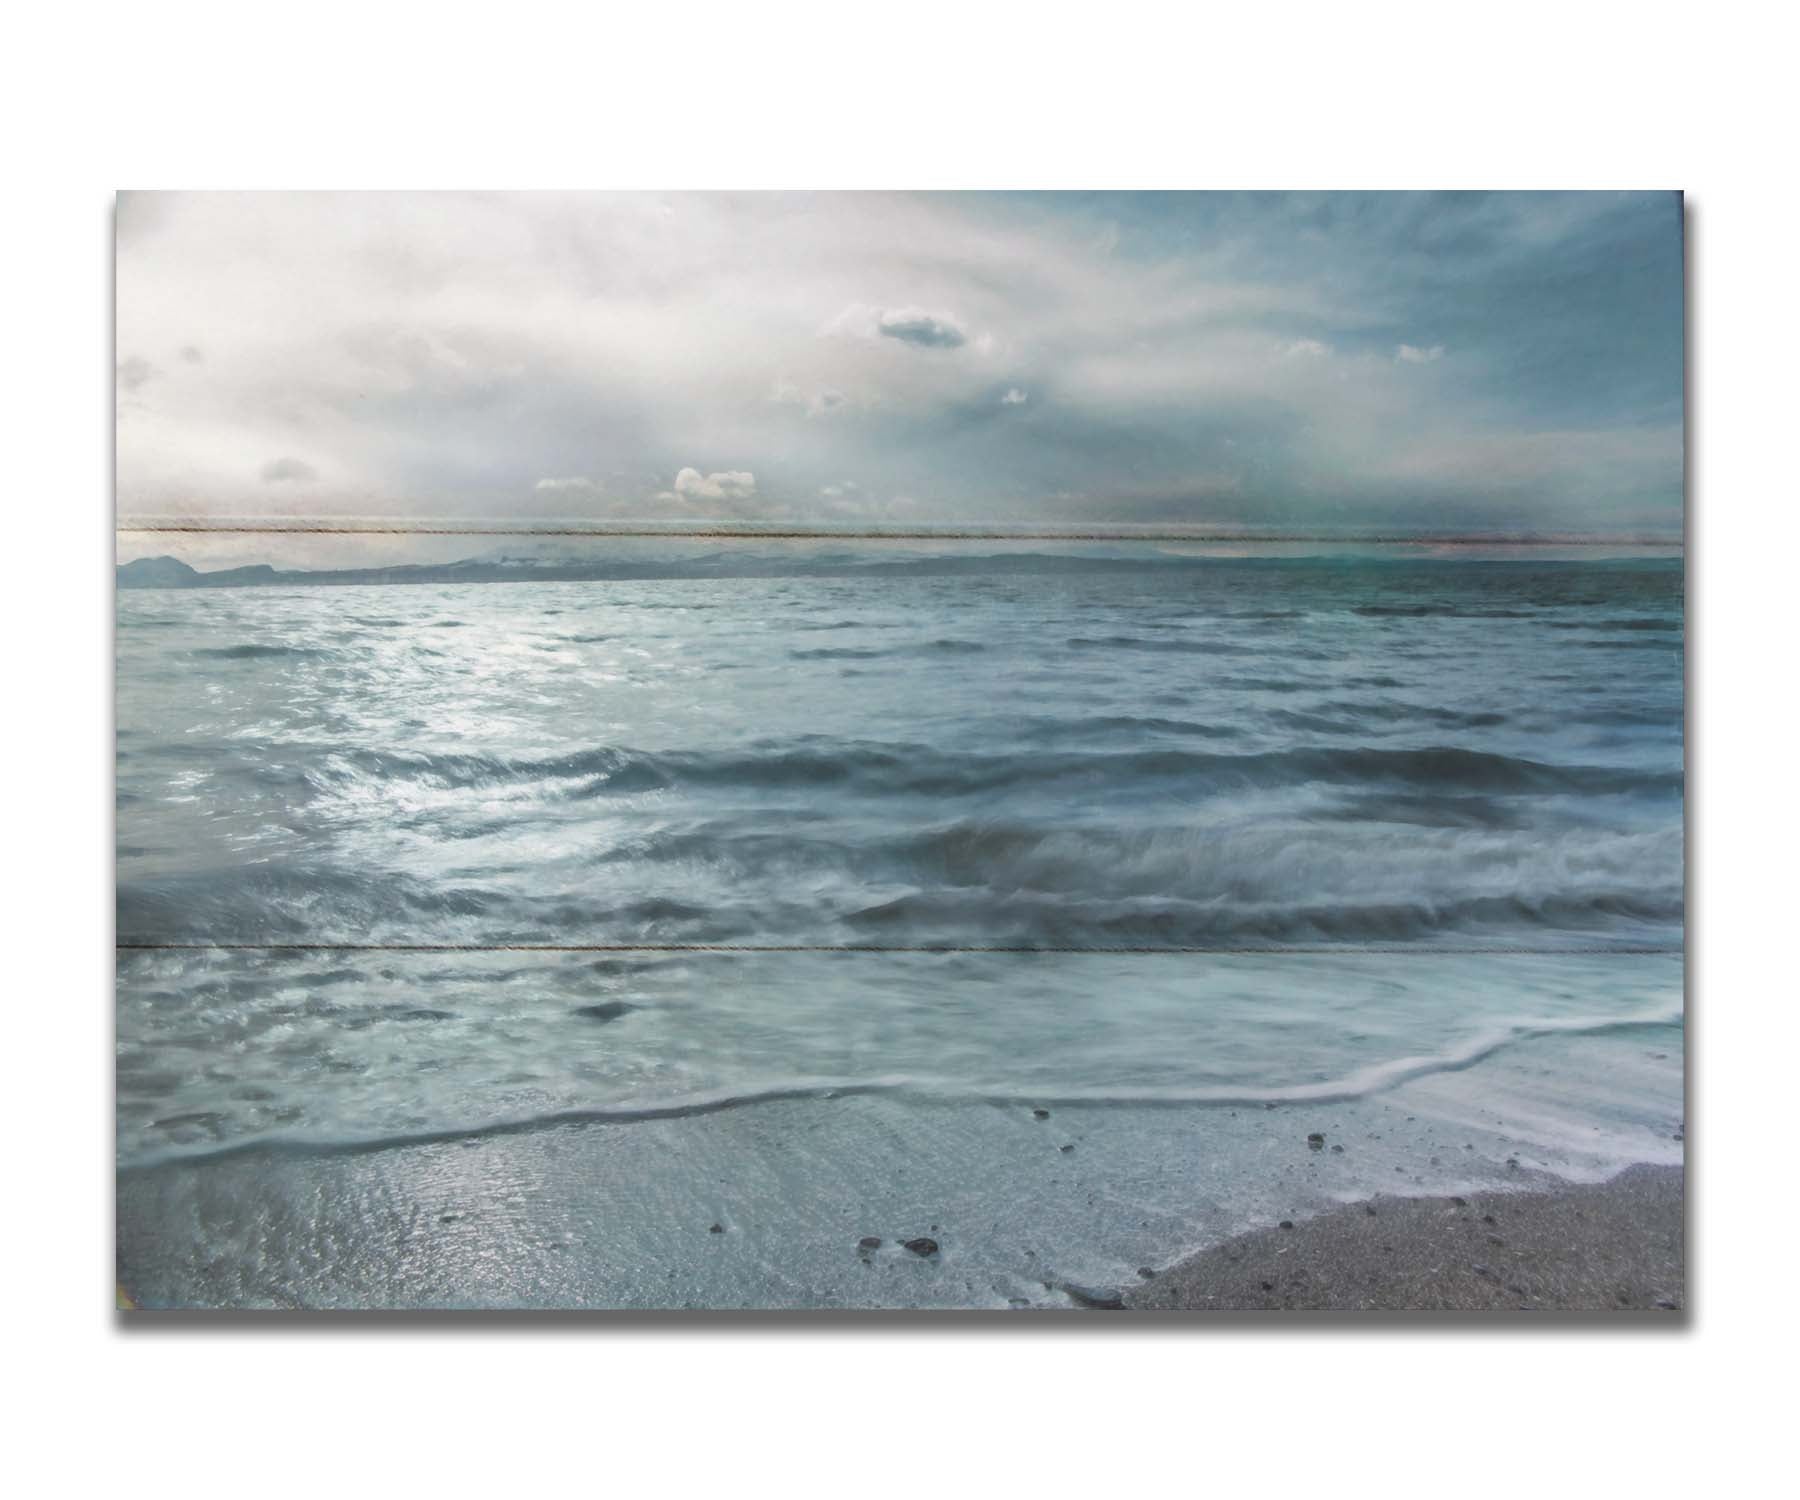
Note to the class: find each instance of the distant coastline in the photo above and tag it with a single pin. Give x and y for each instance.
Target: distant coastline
(164, 572)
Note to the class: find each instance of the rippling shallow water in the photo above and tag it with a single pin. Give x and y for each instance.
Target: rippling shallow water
(1407, 770)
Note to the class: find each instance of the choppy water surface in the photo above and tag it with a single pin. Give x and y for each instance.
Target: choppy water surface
(1390, 765)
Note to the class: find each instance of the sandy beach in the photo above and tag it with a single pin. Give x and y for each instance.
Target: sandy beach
(1616, 1246)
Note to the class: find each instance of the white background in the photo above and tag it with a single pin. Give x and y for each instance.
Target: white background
(98, 97)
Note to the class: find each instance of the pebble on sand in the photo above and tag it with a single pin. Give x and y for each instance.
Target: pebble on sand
(716, 1229)
(869, 1242)
(1316, 1141)
(1040, 1114)
(922, 1246)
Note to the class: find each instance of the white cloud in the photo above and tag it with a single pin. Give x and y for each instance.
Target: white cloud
(576, 484)
(817, 403)
(729, 484)
(1014, 397)
(1411, 354)
(1308, 349)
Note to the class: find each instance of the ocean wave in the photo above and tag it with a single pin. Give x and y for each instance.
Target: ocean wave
(256, 652)
(1439, 611)
(913, 769)
(1048, 730)
(741, 878)
(1030, 919)
(1187, 646)
(1360, 1083)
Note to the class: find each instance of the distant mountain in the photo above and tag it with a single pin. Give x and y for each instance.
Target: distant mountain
(156, 573)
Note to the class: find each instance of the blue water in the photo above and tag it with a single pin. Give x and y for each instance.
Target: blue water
(1339, 827)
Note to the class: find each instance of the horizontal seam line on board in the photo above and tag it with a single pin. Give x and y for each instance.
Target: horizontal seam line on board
(975, 535)
(1319, 952)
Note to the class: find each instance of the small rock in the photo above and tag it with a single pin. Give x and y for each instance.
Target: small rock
(922, 1246)
(1316, 1140)
(716, 1229)
(1287, 1224)
(1268, 1286)
(1512, 1163)
(1489, 1219)
(1040, 1114)
(1066, 1150)
(1146, 1272)
(869, 1242)
(1459, 1202)
(1338, 1149)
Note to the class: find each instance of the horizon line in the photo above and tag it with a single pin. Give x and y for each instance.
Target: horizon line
(751, 531)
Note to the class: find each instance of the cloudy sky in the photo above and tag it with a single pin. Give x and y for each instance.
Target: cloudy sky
(1422, 363)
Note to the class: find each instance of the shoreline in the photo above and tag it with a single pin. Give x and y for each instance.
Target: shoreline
(1613, 1246)
(1057, 1207)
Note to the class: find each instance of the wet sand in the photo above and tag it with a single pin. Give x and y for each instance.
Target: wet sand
(1616, 1246)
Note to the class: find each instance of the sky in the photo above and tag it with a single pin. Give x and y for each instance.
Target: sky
(1423, 364)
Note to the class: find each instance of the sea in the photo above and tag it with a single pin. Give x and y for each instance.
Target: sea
(656, 942)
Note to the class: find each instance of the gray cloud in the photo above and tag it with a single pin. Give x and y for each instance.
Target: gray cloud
(135, 373)
(913, 325)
